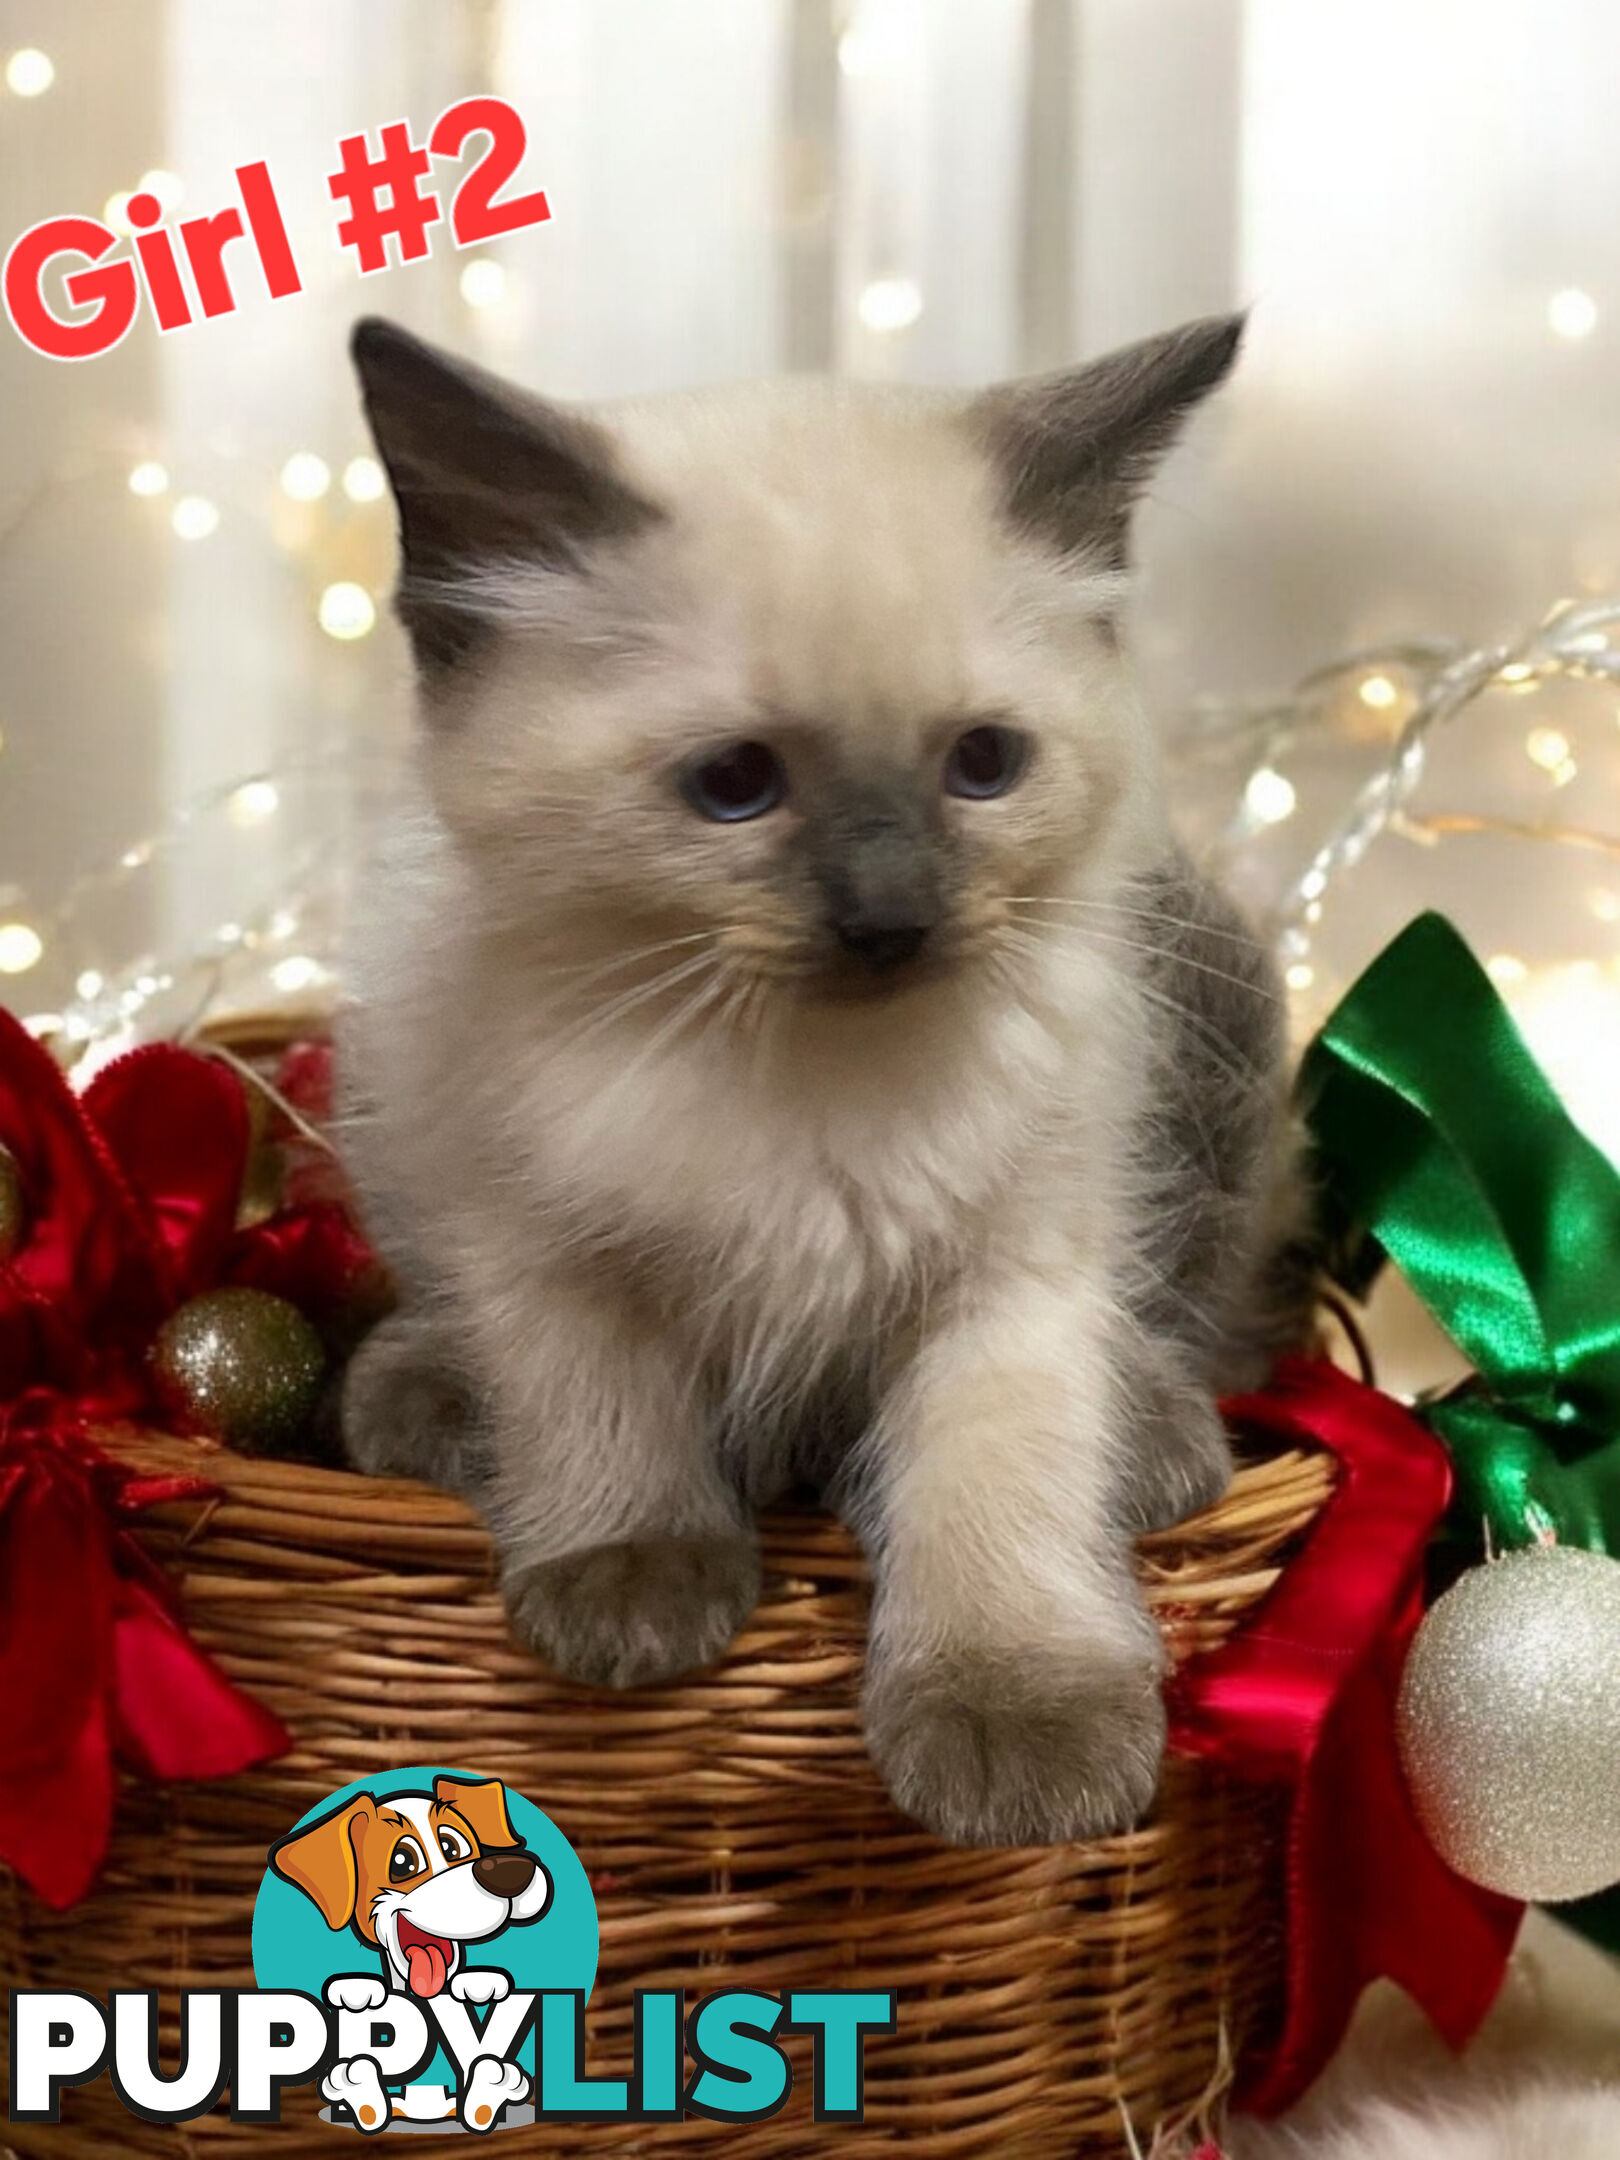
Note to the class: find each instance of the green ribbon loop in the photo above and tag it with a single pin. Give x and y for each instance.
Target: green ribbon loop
(1438, 1136)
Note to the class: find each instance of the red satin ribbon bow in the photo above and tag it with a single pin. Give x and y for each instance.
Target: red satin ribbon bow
(1304, 1696)
(132, 1195)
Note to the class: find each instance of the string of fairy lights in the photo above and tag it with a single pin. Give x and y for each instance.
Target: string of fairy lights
(1551, 874)
(343, 608)
(1413, 690)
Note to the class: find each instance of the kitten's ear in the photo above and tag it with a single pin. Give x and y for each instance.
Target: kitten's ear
(482, 472)
(1075, 447)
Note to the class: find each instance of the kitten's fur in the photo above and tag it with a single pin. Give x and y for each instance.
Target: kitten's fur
(689, 1202)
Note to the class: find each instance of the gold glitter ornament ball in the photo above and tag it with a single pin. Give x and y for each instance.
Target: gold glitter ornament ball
(1509, 1724)
(12, 1219)
(241, 1365)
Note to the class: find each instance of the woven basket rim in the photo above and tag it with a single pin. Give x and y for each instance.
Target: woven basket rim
(294, 1499)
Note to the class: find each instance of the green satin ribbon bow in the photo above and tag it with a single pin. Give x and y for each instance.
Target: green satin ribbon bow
(1439, 1138)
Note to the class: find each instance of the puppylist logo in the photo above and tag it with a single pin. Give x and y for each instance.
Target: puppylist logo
(424, 1945)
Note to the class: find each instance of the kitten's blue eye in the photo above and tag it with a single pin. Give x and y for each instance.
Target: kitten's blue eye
(985, 761)
(742, 781)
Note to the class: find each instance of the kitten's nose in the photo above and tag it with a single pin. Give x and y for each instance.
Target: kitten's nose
(504, 1874)
(882, 945)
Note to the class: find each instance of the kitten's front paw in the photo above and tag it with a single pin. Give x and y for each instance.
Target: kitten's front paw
(628, 1615)
(407, 1413)
(1180, 1461)
(985, 1752)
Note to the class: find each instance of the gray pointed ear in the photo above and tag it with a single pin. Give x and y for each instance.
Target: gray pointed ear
(482, 473)
(1076, 447)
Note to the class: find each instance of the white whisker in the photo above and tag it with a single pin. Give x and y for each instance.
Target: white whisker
(592, 970)
(619, 1008)
(1151, 915)
(1079, 932)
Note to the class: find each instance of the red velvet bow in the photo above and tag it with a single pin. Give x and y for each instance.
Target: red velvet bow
(1304, 1696)
(132, 1192)
(131, 1199)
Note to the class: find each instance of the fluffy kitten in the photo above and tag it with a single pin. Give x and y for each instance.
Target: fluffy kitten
(789, 1044)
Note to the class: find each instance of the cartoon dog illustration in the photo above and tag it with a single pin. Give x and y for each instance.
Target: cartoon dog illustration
(416, 1876)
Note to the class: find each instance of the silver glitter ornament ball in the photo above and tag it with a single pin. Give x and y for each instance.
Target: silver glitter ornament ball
(1509, 1724)
(241, 1365)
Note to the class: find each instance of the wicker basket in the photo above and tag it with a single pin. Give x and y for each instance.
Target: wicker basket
(732, 1825)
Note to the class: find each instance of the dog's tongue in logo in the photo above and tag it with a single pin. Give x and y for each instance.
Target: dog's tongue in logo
(427, 1958)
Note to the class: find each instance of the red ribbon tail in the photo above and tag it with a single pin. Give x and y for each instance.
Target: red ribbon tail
(55, 1822)
(56, 1774)
(177, 1715)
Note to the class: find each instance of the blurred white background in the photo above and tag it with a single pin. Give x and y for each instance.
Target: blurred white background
(1417, 197)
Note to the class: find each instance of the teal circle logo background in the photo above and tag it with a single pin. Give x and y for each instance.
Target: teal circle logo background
(294, 1948)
